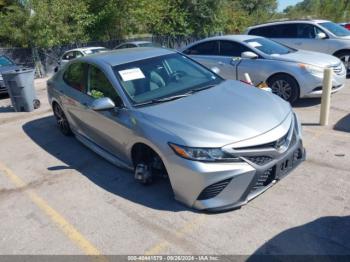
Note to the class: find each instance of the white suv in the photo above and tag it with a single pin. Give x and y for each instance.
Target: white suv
(315, 35)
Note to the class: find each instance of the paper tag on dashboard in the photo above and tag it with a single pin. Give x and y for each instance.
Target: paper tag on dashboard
(131, 74)
(254, 44)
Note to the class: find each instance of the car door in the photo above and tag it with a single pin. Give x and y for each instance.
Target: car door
(307, 38)
(207, 53)
(109, 129)
(73, 94)
(285, 34)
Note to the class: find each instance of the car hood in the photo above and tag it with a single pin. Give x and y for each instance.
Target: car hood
(308, 57)
(227, 113)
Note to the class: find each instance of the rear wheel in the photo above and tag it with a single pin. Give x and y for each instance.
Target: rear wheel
(285, 87)
(61, 120)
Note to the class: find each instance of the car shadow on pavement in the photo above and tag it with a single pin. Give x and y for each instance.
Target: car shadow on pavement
(75, 155)
(307, 102)
(325, 236)
(343, 124)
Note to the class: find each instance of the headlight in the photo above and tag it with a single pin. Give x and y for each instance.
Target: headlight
(315, 70)
(204, 154)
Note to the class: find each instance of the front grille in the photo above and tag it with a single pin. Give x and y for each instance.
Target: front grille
(259, 160)
(337, 69)
(273, 144)
(265, 178)
(214, 189)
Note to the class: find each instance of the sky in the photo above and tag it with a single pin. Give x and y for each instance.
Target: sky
(282, 4)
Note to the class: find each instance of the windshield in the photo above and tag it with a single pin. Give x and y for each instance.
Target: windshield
(4, 61)
(163, 77)
(335, 29)
(269, 47)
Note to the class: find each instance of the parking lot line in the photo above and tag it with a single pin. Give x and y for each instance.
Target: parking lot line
(68, 229)
(187, 228)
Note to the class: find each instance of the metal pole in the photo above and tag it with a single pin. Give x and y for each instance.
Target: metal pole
(326, 96)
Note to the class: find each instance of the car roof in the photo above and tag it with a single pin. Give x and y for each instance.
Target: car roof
(83, 49)
(237, 38)
(123, 56)
(137, 42)
(289, 21)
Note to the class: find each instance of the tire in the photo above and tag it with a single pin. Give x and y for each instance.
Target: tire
(285, 87)
(344, 56)
(61, 119)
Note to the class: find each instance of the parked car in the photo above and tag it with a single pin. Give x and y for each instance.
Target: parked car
(290, 73)
(133, 44)
(346, 25)
(314, 35)
(79, 52)
(158, 112)
(6, 64)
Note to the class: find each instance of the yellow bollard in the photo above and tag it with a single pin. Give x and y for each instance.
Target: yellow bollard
(326, 96)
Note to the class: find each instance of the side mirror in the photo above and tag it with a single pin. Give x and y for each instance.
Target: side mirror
(103, 103)
(215, 69)
(321, 35)
(249, 55)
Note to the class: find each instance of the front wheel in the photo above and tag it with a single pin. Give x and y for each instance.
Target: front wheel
(344, 56)
(61, 120)
(285, 87)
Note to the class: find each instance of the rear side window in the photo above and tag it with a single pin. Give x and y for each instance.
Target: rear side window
(276, 31)
(207, 48)
(228, 48)
(75, 76)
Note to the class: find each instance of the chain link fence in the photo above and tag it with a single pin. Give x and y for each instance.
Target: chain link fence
(44, 60)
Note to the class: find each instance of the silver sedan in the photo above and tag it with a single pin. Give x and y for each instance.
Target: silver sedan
(291, 73)
(162, 115)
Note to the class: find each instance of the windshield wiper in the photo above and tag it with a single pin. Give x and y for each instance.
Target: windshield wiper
(162, 100)
(170, 98)
(201, 88)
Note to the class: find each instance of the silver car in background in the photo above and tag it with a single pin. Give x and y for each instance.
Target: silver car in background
(290, 73)
(314, 35)
(157, 112)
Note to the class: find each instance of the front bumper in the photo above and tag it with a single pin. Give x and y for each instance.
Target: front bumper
(223, 186)
(311, 85)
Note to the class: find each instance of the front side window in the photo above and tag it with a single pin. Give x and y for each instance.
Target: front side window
(68, 56)
(4, 61)
(162, 77)
(269, 47)
(335, 29)
(207, 48)
(306, 31)
(74, 76)
(229, 48)
(99, 86)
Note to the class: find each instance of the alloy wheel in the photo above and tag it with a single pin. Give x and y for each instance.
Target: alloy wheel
(61, 120)
(282, 88)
